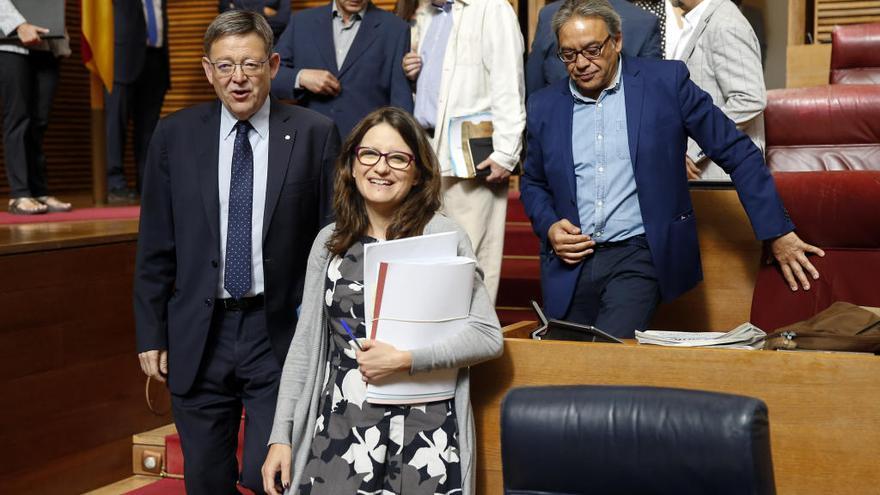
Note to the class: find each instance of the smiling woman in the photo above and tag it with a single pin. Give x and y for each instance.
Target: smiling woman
(327, 438)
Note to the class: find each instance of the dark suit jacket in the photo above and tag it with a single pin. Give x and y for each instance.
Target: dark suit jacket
(371, 76)
(130, 45)
(641, 38)
(278, 21)
(663, 108)
(176, 272)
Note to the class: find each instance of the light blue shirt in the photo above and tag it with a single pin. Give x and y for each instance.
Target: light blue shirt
(607, 202)
(432, 52)
(259, 139)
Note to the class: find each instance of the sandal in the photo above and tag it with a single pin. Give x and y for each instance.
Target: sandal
(26, 206)
(54, 204)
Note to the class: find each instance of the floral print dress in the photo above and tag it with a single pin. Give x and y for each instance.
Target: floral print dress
(365, 448)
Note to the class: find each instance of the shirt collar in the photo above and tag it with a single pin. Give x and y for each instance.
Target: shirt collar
(259, 121)
(693, 17)
(612, 88)
(447, 6)
(357, 15)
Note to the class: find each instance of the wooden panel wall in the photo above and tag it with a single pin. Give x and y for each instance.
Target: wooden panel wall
(73, 392)
(829, 13)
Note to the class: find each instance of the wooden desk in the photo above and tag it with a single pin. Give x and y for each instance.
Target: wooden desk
(824, 407)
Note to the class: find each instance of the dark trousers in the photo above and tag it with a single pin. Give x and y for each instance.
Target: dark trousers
(238, 368)
(617, 290)
(141, 101)
(27, 87)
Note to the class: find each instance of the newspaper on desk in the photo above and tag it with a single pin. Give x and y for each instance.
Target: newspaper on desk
(745, 336)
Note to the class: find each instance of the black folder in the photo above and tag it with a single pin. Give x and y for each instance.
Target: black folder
(48, 14)
(567, 330)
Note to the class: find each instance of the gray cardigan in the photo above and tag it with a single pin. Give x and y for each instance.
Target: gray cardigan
(303, 374)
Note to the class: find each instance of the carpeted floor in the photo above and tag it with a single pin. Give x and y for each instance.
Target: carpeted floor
(78, 214)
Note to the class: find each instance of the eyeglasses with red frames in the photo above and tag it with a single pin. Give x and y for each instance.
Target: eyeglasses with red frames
(398, 160)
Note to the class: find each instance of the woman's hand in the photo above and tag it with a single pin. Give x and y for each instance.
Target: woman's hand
(378, 360)
(278, 459)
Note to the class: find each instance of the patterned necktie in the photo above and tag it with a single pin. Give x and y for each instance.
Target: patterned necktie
(152, 27)
(237, 275)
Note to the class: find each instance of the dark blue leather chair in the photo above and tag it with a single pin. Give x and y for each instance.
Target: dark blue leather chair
(634, 440)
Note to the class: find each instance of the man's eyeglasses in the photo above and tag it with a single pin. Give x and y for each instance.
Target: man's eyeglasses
(249, 67)
(591, 52)
(398, 160)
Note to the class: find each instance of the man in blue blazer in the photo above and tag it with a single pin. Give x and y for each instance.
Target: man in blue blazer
(612, 207)
(641, 38)
(234, 194)
(344, 61)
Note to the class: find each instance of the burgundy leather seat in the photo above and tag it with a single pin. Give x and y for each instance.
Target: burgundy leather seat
(840, 213)
(835, 127)
(855, 54)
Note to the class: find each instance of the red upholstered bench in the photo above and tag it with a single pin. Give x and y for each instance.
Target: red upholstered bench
(855, 54)
(173, 484)
(834, 127)
(840, 213)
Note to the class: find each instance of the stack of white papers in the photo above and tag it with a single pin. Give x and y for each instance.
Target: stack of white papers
(422, 247)
(417, 293)
(745, 336)
(420, 303)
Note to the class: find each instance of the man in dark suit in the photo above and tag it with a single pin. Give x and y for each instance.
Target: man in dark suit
(641, 38)
(343, 60)
(141, 76)
(234, 193)
(612, 208)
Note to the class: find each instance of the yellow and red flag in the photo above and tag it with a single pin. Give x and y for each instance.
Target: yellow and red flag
(97, 39)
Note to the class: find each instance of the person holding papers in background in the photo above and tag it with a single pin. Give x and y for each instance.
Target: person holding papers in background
(29, 70)
(326, 436)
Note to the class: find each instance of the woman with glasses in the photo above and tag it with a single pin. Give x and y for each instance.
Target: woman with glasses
(326, 437)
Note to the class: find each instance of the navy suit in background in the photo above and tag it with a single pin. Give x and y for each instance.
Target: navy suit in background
(641, 38)
(663, 108)
(141, 76)
(371, 75)
(278, 21)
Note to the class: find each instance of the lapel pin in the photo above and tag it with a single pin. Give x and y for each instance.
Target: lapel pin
(287, 137)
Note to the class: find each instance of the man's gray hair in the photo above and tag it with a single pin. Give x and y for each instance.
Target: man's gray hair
(238, 23)
(587, 8)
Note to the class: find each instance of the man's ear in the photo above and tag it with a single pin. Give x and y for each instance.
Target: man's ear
(274, 64)
(209, 70)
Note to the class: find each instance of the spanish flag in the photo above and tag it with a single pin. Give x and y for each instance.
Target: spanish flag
(97, 39)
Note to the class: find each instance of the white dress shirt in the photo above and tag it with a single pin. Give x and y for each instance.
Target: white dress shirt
(691, 20)
(259, 139)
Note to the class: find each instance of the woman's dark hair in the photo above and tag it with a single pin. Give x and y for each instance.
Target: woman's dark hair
(417, 208)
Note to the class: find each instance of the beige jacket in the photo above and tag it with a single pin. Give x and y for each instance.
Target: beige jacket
(724, 59)
(482, 72)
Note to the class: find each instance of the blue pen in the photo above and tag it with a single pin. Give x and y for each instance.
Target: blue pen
(351, 334)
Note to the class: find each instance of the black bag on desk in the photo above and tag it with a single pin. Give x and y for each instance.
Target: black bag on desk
(842, 327)
(566, 330)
